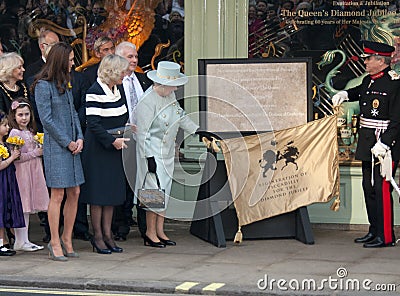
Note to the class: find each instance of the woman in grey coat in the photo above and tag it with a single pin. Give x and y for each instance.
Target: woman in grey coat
(159, 117)
(63, 142)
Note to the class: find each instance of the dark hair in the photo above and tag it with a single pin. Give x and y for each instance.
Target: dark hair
(11, 115)
(3, 116)
(56, 67)
(290, 2)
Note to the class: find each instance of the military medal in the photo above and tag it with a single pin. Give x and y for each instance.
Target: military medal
(375, 105)
(393, 74)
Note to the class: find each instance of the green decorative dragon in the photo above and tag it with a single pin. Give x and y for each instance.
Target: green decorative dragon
(385, 29)
(327, 59)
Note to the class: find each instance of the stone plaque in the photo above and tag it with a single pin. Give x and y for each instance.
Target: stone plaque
(255, 95)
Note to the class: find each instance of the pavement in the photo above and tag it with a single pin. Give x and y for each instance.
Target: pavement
(334, 265)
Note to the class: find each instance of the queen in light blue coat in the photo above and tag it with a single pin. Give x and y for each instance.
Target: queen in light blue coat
(159, 116)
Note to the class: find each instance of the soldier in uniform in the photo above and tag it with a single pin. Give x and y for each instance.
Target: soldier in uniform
(379, 99)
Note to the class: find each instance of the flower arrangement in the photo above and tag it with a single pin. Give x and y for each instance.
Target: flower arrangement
(39, 138)
(69, 85)
(4, 152)
(16, 141)
(114, 33)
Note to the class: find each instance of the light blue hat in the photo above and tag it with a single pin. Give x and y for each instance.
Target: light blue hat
(168, 73)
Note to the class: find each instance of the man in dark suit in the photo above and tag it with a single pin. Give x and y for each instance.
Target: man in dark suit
(46, 40)
(133, 86)
(102, 47)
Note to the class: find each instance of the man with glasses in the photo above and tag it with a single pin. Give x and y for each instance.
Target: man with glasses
(46, 40)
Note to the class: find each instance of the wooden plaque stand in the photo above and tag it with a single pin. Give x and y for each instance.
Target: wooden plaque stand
(215, 226)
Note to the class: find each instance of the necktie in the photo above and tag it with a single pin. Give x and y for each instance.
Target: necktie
(133, 98)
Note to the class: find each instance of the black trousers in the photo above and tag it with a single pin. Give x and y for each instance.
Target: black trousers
(378, 201)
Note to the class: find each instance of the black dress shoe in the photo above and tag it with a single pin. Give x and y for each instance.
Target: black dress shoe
(365, 239)
(120, 237)
(167, 242)
(378, 243)
(85, 236)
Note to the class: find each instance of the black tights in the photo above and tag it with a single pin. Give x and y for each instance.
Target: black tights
(101, 222)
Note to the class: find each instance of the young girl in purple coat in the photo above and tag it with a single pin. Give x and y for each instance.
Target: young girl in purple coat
(11, 214)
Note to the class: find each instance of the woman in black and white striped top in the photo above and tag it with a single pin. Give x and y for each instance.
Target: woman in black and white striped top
(105, 185)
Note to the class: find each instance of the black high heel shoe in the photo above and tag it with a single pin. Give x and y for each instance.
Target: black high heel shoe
(149, 243)
(167, 242)
(114, 249)
(99, 250)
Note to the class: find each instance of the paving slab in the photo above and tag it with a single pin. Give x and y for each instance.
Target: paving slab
(236, 270)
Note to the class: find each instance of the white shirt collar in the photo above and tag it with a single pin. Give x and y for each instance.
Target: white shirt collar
(114, 93)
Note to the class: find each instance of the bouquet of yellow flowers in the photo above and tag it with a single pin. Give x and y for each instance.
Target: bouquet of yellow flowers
(4, 152)
(39, 138)
(16, 141)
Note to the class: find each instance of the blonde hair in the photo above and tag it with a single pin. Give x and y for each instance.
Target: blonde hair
(8, 63)
(111, 67)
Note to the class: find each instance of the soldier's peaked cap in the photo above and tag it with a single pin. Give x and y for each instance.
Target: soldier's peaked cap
(376, 48)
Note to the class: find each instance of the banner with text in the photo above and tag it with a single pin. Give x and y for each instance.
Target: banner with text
(275, 173)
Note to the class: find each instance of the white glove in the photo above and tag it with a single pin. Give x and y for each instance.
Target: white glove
(339, 98)
(386, 166)
(379, 149)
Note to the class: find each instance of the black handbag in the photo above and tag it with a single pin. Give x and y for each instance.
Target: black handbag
(151, 198)
(119, 132)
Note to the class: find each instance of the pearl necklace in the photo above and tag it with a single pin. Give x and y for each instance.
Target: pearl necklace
(7, 93)
(15, 88)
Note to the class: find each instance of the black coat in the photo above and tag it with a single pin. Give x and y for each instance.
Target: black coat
(102, 164)
(5, 101)
(379, 99)
(90, 73)
(32, 70)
